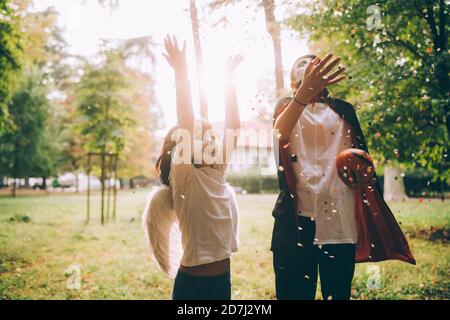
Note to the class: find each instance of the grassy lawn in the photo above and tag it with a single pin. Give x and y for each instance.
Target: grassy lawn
(35, 253)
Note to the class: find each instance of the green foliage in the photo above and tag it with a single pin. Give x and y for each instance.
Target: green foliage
(398, 73)
(32, 145)
(254, 183)
(10, 58)
(26, 150)
(104, 105)
(116, 109)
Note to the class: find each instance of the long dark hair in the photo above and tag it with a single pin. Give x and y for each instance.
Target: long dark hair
(164, 161)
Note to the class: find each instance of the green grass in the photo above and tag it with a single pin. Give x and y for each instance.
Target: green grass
(114, 263)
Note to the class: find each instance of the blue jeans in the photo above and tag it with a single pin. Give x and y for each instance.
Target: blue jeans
(188, 287)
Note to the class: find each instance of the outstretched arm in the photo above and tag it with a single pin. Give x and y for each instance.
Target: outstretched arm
(232, 118)
(176, 57)
(315, 79)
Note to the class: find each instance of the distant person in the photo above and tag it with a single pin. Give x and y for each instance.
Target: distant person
(197, 202)
(325, 220)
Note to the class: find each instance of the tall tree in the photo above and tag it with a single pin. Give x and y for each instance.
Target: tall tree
(26, 151)
(114, 103)
(10, 57)
(43, 70)
(103, 105)
(198, 57)
(273, 28)
(140, 142)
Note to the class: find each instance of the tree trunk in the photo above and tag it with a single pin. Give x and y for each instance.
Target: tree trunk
(44, 183)
(102, 182)
(273, 28)
(15, 169)
(394, 188)
(198, 59)
(14, 187)
(77, 181)
(131, 184)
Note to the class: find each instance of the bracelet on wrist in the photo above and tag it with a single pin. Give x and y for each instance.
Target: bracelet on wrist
(299, 102)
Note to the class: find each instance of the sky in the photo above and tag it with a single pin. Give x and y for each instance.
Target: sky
(85, 22)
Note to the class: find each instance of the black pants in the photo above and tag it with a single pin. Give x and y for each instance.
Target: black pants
(188, 287)
(296, 268)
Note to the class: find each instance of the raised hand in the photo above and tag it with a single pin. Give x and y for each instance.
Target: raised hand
(317, 77)
(175, 56)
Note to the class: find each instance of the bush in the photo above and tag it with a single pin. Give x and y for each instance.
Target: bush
(416, 185)
(254, 183)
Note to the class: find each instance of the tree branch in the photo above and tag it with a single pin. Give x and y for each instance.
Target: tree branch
(432, 23)
(443, 24)
(429, 18)
(406, 45)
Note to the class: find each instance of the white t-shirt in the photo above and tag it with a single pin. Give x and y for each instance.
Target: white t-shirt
(318, 137)
(207, 213)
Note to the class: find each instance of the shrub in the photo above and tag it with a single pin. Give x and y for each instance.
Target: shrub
(254, 183)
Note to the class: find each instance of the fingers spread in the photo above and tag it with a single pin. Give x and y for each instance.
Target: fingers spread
(335, 74)
(330, 66)
(166, 44)
(175, 44)
(325, 61)
(334, 81)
